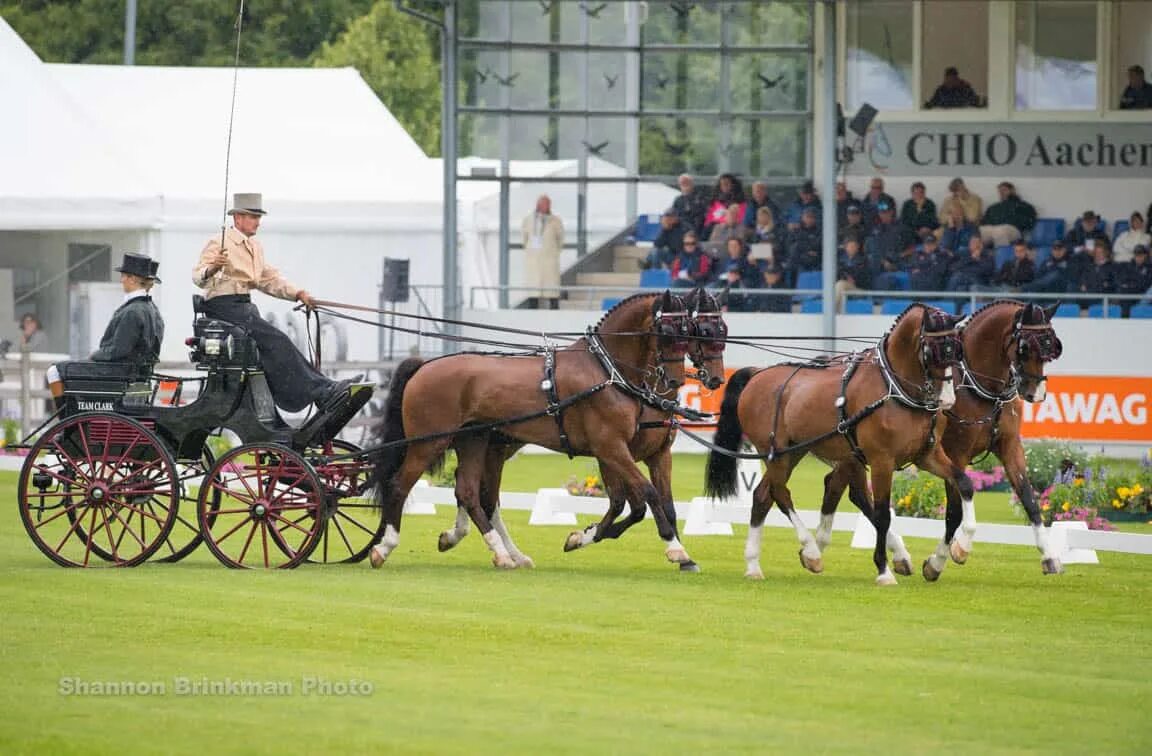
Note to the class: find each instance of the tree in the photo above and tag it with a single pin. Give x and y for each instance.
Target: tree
(394, 54)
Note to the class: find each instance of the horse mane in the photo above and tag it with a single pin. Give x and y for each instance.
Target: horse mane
(621, 303)
(901, 316)
(991, 305)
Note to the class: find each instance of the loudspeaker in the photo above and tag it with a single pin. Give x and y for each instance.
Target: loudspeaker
(394, 287)
(863, 119)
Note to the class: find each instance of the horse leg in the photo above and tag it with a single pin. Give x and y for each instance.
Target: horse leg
(761, 505)
(607, 527)
(660, 470)
(471, 454)
(810, 557)
(449, 538)
(960, 541)
(882, 519)
(934, 565)
(617, 459)
(858, 495)
(834, 484)
(1011, 453)
(417, 459)
(490, 499)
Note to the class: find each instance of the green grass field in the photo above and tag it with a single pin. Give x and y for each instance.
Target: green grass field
(606, 650)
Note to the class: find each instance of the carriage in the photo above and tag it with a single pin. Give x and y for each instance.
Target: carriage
(125, 475)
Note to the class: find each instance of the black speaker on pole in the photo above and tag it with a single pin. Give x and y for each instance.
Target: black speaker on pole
(394, 287)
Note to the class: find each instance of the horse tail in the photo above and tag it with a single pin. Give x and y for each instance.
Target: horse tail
(720, 478)
(386, 462)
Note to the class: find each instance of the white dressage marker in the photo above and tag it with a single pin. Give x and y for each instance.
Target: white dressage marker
(423, 498)
(543, 512)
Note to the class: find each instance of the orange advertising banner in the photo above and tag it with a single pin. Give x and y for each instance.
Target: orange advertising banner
(1092, 408)
(1077, 407)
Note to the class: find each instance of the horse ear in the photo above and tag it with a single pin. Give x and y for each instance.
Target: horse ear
(955, 318)
(722, 299)
(1051, 310)
(666, 302)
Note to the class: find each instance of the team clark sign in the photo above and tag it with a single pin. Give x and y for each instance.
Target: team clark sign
(1091, 408)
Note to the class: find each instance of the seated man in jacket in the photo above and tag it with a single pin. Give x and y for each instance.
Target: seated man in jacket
(928, 269)
(668, 242)
(1055, 274)
(1007, 220)
(773, 279)
(1134, 276)
(692, 267)
(136, 330)
(1018, 271)
(805, 247)
(973, 269)
(1100, 276)
(741, 272)
(852, 270)
(1085, 234)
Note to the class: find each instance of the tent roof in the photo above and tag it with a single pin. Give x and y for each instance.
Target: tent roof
(59, 168)
(286, 142)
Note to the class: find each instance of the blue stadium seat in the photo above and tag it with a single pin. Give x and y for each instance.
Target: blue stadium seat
(857, 306)
(1097, 311)
(1141, 311)
(1068, 310)
(1119, 227)
(655, 279)
(900, 280)
(809, 279)
(812, 305)
(894, 306)
(607, 303)
(1003, 255)
(1042, 254)
(647, 227)
(1047, 230)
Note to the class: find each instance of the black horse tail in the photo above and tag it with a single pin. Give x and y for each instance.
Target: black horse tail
(390, 432)
(720, 478)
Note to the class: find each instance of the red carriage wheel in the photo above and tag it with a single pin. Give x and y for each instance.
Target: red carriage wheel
(98, 490)
(354, 521)
(271, 507)
(185, 536)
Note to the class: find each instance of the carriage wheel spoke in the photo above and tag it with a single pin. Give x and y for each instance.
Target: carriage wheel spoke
(290, 524)
(238, 525)
(354, 521)
(247, 541)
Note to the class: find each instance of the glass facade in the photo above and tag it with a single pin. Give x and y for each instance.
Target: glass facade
(655, 89)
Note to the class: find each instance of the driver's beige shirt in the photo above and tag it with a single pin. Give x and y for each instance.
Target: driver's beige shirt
(244, 271)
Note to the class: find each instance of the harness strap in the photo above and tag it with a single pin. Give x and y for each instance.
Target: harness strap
(776, 414)
(555, 409)
(847, 429)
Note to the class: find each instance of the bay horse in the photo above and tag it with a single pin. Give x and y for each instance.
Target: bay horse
(651, 444)
(879, 406)
(1005, 346)
(584, 399)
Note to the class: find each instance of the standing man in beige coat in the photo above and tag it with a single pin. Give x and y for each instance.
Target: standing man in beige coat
(543, 238)
(228, 274)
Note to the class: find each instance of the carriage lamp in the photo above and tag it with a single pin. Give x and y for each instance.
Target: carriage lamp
(42, 481)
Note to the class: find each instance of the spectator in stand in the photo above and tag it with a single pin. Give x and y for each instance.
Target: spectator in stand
(804, 247)
(774, 279)
(928, 268)
(805, 198)
(954, 93)
(844, 200)
(873, 199)
(1134, 277)
(1127, 242)
(1138, 94)
(1007, 220)
(669, 242)
(853, 271)
(972, 270)
(919, 213)
(1055, 275)
(1085, 234)
(1017, 272)
(691, 206)
(1100, 277)
(887, 240)
(957, 230)
(853, 224)
(894, 271)
(728, 191)
(741, 272)
(758, 200)
(732, 227)
(691, 267)
(32, 337)
(767, 232)
(970, 205)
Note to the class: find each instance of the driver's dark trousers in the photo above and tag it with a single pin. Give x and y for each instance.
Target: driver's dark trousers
(293, 381)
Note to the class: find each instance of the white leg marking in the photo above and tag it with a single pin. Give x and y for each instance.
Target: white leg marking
(1042, 542)
(939, 558)
(675, 551)
(460, 529)
(968, 524)
(500, 556)
(824, 531)
(518, 556)
(752, 553)
(388, 542)
(896, 545)
(886, 577)
(807, 542)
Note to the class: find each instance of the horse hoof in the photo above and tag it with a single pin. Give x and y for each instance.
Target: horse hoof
(754, 574)
(575, 540)
(886, 578)
(679, 556)
(959, 553)
(503, 562)
(1052, 566)
(902, 567)
(375, 558)
(524, 561)
(689, 566)
(930, 573)
(815, 566)
(444, 543)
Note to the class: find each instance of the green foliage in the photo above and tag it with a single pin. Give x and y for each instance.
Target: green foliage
(445, 475)
(11, 429)
(393, 53)
(1047, 459)
(917, 494)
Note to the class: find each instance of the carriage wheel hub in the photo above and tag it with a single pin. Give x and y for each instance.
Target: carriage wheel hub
(259, 510)
(98, 493)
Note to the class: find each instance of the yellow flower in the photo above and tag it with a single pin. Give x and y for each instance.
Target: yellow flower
(1045, 507)
(591, 481)
(1078, 482)
(1066, 506)
(1117, 504)
(1137, 489)
(1123, 492)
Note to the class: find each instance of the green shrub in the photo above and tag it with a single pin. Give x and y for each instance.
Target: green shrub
(1047, 459)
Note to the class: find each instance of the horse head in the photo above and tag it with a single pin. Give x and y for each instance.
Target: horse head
(646, 336)
(1032, 343)
(925, 342)
(709, 334)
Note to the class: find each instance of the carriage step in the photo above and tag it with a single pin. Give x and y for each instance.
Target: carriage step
(334, 416)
